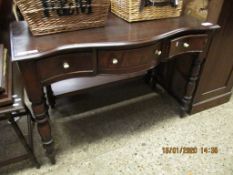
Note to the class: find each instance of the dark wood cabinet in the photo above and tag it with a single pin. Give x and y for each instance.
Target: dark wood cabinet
(216, 82)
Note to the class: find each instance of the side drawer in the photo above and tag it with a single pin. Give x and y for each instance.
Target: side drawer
(128, 61)
(65, 66)
(187, 44)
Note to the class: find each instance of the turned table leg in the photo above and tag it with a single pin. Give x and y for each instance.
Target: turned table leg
(44, 129)
(35, 94)
(151, 78)
(191, 85)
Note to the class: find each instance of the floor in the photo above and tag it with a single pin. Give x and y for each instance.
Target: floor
(123, 130)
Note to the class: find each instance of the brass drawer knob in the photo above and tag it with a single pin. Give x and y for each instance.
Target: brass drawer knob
(115, 61)
(66, 65)
(158, 52)
(186, 45)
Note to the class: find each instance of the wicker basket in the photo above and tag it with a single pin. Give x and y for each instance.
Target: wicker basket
(53, 16)
(133, 10)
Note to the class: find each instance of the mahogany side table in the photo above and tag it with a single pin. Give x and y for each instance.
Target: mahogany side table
(116, 49)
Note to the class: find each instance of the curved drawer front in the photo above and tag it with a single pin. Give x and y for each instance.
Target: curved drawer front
(65, 66)
(188, 43)
(128, 61)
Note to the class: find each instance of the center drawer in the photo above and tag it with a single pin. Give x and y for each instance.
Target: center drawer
(66, 66)
(128, 61)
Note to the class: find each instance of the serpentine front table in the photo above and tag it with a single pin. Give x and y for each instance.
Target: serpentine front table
(116, 49)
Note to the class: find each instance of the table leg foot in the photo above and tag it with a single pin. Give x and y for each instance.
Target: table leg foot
(50, 152)
(37, 165)
(52, 160)
(183, 113)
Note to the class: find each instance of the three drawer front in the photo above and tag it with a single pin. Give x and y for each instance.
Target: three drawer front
(188, 43)
(128, 61)
(66, 66)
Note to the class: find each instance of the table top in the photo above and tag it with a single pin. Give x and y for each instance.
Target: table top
(117, 32)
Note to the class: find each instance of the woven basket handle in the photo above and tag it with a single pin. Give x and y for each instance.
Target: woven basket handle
(144, 3)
